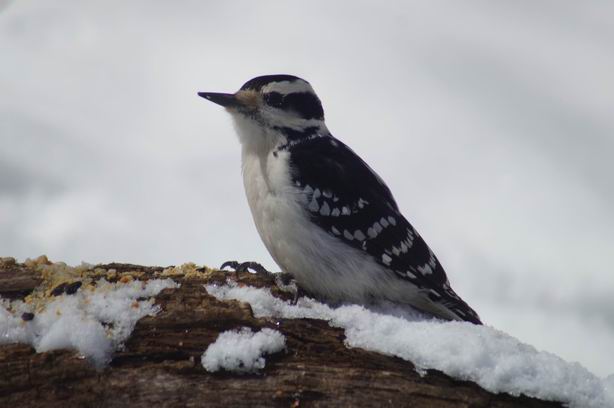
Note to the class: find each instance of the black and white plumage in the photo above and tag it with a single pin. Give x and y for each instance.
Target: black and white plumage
(324, 215)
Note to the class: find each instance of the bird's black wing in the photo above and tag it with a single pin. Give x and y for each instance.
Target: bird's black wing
(347, 199)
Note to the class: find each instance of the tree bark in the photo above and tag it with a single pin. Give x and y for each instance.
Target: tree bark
(160, 365)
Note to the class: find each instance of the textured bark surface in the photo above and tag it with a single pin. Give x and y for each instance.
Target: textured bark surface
(161, 367)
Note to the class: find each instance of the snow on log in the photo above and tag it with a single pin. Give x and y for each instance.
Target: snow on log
(129, 335)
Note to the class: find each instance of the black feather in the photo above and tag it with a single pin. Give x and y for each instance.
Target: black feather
(346, 198)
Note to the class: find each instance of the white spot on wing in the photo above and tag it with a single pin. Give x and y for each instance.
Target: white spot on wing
(362, 203)
(316, 193)
(383, 222)
(386, 259)
(308, 189)
(371, 233)
(359, 235)
(392, 220)
(313, 205)
(378, 228)
(348, 235)
(409, 243)
(432, 260)
(425, 270)
(345, 210)
(335, 212)
(335, 231)
(410, 237)
(325, 209)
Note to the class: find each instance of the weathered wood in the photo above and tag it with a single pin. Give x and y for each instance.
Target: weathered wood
(16, 280)
(160, 365)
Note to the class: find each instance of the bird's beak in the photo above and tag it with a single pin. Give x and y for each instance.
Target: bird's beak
(226, 100)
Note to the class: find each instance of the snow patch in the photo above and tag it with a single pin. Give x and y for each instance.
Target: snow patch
(495, 360)
(95, 320)
(242, 350)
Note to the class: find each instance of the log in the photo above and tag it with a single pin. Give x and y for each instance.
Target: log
(160, 364)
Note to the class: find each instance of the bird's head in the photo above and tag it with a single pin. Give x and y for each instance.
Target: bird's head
(271, 106)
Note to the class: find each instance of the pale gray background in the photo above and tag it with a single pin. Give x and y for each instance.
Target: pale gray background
(492, 122)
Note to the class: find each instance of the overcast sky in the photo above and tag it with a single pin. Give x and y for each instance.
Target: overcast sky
(492, 123)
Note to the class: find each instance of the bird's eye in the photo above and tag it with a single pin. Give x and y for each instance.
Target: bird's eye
(274, 99)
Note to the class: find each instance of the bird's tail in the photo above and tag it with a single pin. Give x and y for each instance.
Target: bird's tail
(449, 306)
(459, 309)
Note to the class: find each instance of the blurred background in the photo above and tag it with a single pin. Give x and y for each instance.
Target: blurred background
(492, 123)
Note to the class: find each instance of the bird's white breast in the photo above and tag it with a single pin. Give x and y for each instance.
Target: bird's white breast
(321, 263)
(273, 203)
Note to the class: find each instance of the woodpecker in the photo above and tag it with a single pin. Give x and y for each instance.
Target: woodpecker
(324, 215)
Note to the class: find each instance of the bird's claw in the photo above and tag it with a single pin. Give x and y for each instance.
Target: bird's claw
(244, 267)
(231, 264)
(286, 283)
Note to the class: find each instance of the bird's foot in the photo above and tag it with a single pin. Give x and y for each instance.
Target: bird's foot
(245, 267)
(287, 284)
(297, 294)
(284, 281)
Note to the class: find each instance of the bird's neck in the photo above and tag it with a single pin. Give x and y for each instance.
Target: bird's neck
(261, 140)
(292, 137)
(255, 138)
